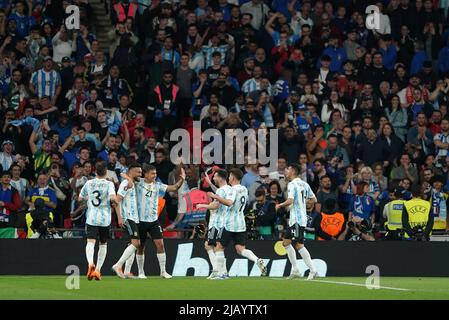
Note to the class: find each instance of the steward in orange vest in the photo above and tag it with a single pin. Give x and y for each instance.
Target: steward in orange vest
(125, 10)
(330, 223)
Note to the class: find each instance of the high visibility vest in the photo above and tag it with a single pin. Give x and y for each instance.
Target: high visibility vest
(332, 224)
(418, 212)
(120, 10)
(174, 92)
(393, 210)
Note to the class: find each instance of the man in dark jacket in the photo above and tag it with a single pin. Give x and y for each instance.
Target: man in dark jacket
(164, 101)
(291, 143)
(372, 149)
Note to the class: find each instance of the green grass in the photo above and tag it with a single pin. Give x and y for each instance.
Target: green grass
(183, 288)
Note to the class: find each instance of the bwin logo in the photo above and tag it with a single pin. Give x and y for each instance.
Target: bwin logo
(372, 21)
(72, 22)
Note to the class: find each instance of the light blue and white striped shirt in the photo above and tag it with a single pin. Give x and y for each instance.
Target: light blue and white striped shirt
(299, 191)
(235, 220)
(217, 217)
(208, 50)
(6, 160)
(45, 83)
(172, 56)
(147, 199)
(128, 206)
(22, 186)
(251, 85)
(98, 193)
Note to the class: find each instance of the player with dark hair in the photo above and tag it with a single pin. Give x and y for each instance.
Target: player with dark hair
(299, 192)
(98, 193)
(234, 221)
(148, 193)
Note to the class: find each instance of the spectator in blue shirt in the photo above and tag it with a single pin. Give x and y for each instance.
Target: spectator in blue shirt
(337, 54)
(419, 58)
(62, 127)
(23, 21)
(362, 205)
(443, 60)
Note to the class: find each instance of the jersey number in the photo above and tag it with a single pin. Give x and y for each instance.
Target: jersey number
(303, 199)
(97, 197)
(242, 201)
(149, 193)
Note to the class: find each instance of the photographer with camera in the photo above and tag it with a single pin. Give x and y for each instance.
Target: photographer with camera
(40, 222)
(417, 217)
(357, 229)
(10, 201)
(263, 213)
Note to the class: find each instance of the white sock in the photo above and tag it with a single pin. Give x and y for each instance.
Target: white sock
(212, 259)
(140, 262)
(90, 247)
(161, 257)
(129, 251)
(102, 249)
(129, 264)
(292, 258)
(305, 255)
(219, 255)
(249, 255)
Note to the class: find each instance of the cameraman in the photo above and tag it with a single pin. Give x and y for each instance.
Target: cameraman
(417, 217)
(40, 222)
(264, 214)
(357, 229)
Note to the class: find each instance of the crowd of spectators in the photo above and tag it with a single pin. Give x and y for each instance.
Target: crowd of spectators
(362, 111)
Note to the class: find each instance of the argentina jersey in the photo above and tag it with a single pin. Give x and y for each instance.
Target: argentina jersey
(299, 191)
(128, 206)
(235, 220)
(147, 199)
(98, 193)
(217, 217)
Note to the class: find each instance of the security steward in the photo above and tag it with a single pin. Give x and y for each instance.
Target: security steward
(417, 217)
(393, 214)
(330, 223)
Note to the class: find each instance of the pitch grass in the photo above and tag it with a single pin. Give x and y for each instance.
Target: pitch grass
(190, 288)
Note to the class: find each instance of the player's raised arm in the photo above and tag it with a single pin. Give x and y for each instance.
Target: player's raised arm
(178, 184)
(128, 178)
(209, 182)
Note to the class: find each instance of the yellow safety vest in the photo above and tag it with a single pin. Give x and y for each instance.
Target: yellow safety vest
(393, 210)
(418, 212)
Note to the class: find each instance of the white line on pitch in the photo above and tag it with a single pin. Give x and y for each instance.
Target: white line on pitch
(358, 285)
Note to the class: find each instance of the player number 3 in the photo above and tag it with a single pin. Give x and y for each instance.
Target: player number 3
(97, 198)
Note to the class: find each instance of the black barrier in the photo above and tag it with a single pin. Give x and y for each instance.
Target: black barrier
(333, 258)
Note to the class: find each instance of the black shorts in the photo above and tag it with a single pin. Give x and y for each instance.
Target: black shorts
(212, 235)
(295, 233)
(236, 237)
(132, 229)
(95, 232)
(153, 228)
